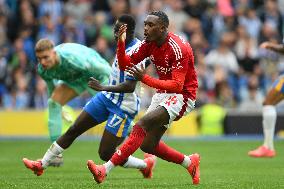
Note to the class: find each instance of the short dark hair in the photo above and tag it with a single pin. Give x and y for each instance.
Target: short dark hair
(162, 16)
(129, 20)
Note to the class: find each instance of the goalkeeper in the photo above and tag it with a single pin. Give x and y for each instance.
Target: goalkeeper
(66, 69)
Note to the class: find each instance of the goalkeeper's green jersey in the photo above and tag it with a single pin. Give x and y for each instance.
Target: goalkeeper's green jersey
(77, 63)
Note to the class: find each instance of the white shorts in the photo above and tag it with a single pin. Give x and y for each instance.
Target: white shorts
(175, 104)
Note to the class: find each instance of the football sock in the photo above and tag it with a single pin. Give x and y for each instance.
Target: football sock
(54, 120)
(132, 143)
(134, 162)
(167, 153)
(269, 120)
(108, 165)
(186, 162)
(53, 151)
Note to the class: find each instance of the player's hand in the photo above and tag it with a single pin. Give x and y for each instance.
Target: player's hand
(136, 72)
(95, 84)
(67, 116)
(122, 32)
(265, 45)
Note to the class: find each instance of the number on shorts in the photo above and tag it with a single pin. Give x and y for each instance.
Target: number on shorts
(171, 100)
(116, 120)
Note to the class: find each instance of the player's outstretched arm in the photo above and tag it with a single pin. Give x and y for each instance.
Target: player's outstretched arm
(125, 87)
(122, 57)
(136, 57)
(273, 46)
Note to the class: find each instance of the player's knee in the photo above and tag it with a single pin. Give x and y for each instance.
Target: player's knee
(143, 123)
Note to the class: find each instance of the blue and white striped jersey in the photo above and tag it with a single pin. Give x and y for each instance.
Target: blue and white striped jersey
(129, 102)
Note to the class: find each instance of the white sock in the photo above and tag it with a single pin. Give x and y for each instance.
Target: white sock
(108, 165)
(269, 120)
(53, 151)
(134, 162)
(186, 161)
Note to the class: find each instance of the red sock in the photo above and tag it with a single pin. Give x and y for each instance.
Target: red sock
(131, 144)
(167, 153)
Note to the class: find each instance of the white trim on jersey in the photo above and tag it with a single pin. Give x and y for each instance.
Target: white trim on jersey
(176, 48)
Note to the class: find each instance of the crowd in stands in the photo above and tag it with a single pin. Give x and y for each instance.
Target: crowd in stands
(224, 34)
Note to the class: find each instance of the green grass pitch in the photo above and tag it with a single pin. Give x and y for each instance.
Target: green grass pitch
(224, 164)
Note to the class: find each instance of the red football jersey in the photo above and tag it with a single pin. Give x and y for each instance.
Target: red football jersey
(173, 60)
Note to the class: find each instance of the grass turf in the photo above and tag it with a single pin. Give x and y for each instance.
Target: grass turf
(224, 164)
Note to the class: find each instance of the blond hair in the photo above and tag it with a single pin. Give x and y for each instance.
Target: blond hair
(44, 44)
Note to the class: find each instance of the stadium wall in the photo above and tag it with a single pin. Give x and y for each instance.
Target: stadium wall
(249, 123)
(34, 123)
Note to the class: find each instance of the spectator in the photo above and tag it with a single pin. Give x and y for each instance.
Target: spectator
(223, 33)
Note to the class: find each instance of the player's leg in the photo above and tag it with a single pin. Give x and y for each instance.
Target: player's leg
(152, 144)
(60, 96)
(82, 124)
(269, 116)
(273, 97)
(94, 113)
(116, 129)
(162, 115)
(151, 120)
(115, 132)
(132, 143)
(108, 145)
(170, 108)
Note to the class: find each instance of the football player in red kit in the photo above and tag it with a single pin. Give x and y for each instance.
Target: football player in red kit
(175, 97)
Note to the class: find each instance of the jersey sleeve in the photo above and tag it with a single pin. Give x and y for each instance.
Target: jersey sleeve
(50, 87)
(175, 85)
(49, 82)
(137, 56)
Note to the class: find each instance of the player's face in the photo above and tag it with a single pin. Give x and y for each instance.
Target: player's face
(46, 58)
(153, 28)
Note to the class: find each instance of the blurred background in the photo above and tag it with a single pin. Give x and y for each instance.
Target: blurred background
(234, 74)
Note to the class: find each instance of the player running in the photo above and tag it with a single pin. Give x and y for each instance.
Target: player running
(269, 115)
(175, 97)
(117, 104)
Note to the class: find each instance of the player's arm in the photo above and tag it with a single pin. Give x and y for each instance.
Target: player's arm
(175, 85)
(50, 87)
(125, 60)
(126, 87)
(273, 46)
(49, 83)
